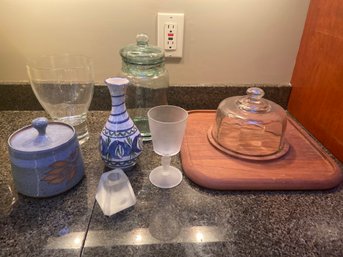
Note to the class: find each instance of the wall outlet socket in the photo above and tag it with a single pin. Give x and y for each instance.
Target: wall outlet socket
(170, 28)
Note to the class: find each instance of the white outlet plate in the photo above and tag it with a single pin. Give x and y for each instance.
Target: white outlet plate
(176, 41)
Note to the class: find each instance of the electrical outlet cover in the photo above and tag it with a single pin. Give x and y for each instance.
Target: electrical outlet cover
(171, 42)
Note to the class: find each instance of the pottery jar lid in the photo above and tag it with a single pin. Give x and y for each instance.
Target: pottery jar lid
(41, 135)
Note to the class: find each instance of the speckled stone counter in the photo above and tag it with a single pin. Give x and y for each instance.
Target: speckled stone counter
(183, 221)
(19, 96)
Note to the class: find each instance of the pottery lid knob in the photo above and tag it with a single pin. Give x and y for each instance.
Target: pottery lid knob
(40, 124)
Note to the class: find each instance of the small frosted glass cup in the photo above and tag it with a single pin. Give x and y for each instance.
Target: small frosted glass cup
(167, 126)
(63, 85)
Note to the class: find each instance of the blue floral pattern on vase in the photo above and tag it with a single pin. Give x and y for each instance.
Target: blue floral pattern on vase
(120, 140)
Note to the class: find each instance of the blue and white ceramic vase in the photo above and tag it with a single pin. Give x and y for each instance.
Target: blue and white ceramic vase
(120, 140)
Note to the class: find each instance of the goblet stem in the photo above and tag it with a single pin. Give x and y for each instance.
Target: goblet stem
(165, 175)
(165, 160)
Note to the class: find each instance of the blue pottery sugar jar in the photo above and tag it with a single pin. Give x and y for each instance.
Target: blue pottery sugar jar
(46, 158)
(120, 139)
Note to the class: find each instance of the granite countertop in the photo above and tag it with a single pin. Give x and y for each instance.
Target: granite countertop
(184, 221)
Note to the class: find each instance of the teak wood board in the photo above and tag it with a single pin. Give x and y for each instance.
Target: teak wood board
(306, 166)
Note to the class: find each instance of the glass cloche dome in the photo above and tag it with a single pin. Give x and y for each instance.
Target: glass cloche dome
(250, 126)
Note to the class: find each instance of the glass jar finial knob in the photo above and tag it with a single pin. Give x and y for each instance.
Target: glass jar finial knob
(142, 39)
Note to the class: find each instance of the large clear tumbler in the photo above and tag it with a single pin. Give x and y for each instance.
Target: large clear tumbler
(63, 84)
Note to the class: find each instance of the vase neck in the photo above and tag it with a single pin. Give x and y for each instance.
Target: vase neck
(118, 98)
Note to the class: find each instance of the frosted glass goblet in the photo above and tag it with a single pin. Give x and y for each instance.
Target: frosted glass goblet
(167, 126)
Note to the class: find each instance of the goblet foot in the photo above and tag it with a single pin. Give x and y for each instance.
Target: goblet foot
(165, 178)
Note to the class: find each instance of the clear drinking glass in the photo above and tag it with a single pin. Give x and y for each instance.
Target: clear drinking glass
(167, 126)
(64, 84)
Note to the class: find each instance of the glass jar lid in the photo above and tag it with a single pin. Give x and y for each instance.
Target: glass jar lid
(142, 53)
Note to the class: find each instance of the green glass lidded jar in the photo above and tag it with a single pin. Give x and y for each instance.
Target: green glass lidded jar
(143, 65)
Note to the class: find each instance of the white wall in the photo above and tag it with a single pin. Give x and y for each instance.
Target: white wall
(232, 41)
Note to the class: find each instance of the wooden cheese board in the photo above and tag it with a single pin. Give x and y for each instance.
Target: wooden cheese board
(306, 166)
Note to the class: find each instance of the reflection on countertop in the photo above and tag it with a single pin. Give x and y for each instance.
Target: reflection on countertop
(138, 236)
(184, 221)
